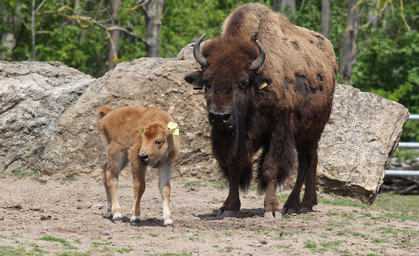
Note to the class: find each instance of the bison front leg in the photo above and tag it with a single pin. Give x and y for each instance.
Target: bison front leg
(164, 186)
(232, 204)
(276, 167)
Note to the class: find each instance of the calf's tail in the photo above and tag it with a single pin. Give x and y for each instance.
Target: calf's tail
(101, 112)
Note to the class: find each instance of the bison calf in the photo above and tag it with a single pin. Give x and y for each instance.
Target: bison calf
(145, 137)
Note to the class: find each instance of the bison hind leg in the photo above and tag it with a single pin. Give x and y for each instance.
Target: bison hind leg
(246, 178)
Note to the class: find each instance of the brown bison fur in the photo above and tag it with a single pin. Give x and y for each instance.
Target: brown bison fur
(280, 103)
(142, 137)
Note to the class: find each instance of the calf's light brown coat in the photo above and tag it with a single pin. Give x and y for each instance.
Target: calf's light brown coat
(144, 137)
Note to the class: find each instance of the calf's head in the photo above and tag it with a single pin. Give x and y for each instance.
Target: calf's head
(154, 146)
(229, 74)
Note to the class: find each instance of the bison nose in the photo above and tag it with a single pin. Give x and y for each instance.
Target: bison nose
(143, 157)
(218, 118)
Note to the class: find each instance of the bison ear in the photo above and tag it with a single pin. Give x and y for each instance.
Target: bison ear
(195, 79)
(261, 81)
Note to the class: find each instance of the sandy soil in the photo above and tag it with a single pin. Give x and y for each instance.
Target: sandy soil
(71, 214)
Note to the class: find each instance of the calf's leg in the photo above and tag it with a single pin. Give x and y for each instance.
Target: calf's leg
(138, 178)
(165, 174)
(116, 162)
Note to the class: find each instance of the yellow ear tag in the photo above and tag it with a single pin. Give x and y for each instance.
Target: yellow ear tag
(141, 130)
(171, 126)
(263, 85)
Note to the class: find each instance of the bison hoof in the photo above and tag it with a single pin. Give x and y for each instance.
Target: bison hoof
(289, 211)
(306, 209)
(226, 213)
(272, 215)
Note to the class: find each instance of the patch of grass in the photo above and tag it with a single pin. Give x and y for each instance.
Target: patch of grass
(195, 184)
(379, 241)
(194, 238)
(175, 254)
(405, 244)
(74, 254)
(10, 251)
(153, 235)
(124, 250)
(397, 203)
(283, 246)
(64, 242)
(343, 202)
(308, 218)
(338, 224)
(401, 216)
(228, 232)
(219, 184)
(310, 245)
(18, 173)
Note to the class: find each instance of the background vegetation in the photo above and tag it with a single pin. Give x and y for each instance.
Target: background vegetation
(77, 32)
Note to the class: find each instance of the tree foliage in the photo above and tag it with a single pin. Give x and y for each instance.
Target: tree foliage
(387, 57)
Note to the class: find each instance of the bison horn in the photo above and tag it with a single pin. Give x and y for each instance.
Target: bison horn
(197, 53)
(260, 59)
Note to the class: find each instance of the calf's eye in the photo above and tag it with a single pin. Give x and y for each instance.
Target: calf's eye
(158, 142)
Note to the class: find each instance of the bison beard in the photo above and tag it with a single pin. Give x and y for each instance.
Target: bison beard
(280, 104)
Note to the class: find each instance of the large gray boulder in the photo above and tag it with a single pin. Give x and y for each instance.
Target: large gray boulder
(33, 96)
(357, 144)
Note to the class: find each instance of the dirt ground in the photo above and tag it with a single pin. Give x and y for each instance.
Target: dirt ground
(61, 216)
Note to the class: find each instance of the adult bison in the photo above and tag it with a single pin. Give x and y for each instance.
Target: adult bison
(268, 84)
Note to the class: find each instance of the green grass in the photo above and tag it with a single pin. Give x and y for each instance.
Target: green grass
(219, 184)
(195, 184)
(397, 203)
(64, 242)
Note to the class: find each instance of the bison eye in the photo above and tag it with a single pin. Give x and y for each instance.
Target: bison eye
(242, 85)
(158, 142)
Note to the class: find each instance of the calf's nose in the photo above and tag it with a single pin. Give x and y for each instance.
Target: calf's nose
(143, 157)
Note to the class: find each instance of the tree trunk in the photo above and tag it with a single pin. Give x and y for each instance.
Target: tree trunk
(349, 42)
(326, 18)
(153, 12)
(8, 39)
(114, 35)
(286, 7)
(33, 29)
(372, 18)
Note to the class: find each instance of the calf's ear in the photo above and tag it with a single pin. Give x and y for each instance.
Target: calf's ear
(173, 128)
(195, 79)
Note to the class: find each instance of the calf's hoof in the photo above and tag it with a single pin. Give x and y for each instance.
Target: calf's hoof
(135, 220)
(117, 218)
(272, 215)
(168, 222)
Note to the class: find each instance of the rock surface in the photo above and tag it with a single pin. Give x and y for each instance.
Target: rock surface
(355, 148)
(357, 144)
(33, 96)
